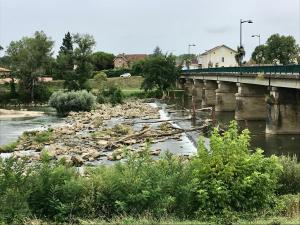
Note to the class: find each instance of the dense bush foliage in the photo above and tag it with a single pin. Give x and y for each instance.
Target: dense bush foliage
(111, 95)
(65, 102)
(222, 183)
(290, 177)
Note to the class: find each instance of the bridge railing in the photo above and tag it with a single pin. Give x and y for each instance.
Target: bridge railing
(289, 69)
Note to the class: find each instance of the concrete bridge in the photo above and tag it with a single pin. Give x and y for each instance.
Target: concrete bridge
(270, 93)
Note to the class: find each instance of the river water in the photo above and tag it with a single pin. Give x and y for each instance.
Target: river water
(271, 144)
(11, 129)
(178, 109)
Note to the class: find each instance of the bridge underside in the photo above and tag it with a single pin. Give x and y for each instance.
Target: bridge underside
(275, 99)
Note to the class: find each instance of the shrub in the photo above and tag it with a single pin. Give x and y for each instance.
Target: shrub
(14, 191)
(289, 180)
(228, 178)
(113, 95)
(65, 102)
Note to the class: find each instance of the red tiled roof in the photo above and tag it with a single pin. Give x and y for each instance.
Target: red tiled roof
(132, 57)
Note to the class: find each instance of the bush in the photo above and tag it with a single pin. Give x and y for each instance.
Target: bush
(65, 102)
(113, 95)
(228, 178)
(289, 180)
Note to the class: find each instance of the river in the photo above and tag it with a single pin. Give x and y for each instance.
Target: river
(271, 144)
(11, 129)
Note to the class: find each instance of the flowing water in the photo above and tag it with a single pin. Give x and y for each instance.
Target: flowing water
(12, 128)
(271, 144)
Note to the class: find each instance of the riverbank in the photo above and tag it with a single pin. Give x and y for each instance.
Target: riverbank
(7, 114)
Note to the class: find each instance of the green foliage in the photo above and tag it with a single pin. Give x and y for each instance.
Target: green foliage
(65, 58)
(9, 147)
(259, 54)
(160, 73)
(65, 102)
(240, 55)
(102, 61)
(289, 180)
(29, 57)
(221, 184)
(56, 192)
(279, 49)
(77, 78)
(112, 95)
(228, 178)
(14, 191)
(100, 79)
(43, 136)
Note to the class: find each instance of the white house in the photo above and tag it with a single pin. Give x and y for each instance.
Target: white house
(220, 56)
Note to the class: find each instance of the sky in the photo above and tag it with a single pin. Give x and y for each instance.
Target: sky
(138, 26)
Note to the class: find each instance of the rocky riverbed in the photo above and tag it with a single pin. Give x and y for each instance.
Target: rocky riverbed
(104, 134)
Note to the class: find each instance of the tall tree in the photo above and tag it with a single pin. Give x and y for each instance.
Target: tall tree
(157, 52)
(259, 54)
(82, 62)
(160, 73)
(102, 61)
(278, 49)
(29, 57)
(282, 48)
(65, 58)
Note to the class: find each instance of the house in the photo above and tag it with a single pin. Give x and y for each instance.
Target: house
(220, 56)
(126, 61)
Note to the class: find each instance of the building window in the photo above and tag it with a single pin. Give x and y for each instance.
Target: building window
(223, 59)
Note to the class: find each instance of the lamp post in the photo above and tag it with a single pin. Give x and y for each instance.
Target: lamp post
(257, 35)
(189, 53)
(241, 43)
(241, 23)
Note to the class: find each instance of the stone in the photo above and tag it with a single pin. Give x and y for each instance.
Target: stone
(77, 160)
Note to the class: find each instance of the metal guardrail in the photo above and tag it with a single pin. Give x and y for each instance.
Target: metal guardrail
(289, 69)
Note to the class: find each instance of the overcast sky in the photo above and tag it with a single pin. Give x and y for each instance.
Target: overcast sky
(137, 26)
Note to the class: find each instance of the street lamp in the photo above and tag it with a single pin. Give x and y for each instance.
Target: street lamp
(257, 35)
(241, 23)
(241, 43)
(189, 54)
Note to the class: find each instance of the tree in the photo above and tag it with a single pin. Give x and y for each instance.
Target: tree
(102, 61)
(279, 49)
(29, 57)
(259, 54)
(240, 55)
(1, 48)
(160, 73)
(157, 52)
(82, 61)
(65, 59)
(282, 48)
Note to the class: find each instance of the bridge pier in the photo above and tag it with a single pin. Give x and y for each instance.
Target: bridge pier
(225, 96)
(250, 102)
(283, 111)
(198, 90)
(188, 86)
(209, 93)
